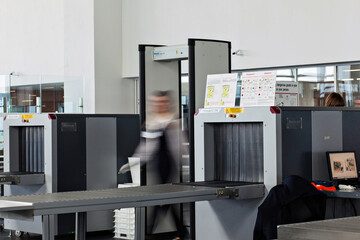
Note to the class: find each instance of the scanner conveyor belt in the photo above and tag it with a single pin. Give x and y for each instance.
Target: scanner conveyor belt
(21, 178)
(25, 207)
(220, 184)
(106, 199)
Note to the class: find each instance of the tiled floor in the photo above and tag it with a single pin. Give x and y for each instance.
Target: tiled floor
(4, 235)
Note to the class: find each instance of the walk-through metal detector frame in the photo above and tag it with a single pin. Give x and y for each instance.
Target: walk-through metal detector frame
(160, 69)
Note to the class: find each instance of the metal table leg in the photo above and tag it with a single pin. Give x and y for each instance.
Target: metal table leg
(140, 223)
(48, 227)
(80, 228)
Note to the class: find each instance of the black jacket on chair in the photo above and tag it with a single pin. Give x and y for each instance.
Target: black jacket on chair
(293, 201)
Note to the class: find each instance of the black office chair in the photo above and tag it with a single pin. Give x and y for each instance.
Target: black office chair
(295, 200)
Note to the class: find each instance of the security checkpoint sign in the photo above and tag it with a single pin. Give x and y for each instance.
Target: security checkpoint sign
(258, 89)
(220, 90)
(286, 94)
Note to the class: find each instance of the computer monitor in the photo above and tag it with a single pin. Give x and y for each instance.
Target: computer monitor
(342, 166)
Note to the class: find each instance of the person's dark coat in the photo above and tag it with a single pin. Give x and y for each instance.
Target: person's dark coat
(296, 200)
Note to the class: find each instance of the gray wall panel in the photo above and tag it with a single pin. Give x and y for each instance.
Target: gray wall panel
(210, 58)
(326, 136)
(101, 153)
(101, 164)
(351, 132)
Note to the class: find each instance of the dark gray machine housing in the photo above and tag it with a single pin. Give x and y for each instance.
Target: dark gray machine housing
(74, 152)
(82, 138)
(307, 133)
(83, 143)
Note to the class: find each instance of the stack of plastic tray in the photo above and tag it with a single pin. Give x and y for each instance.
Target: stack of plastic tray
(124, 222)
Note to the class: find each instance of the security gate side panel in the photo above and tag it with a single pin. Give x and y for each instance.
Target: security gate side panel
(297, 144)
(71, 165)
(326, 136)
(351, 132)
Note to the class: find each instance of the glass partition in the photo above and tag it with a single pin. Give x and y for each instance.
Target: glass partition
(286, 75)
(4, 92)
(35, 94)
(4, 103)
(24, 92)
(315, 83)
(348, 77)
(318, 81)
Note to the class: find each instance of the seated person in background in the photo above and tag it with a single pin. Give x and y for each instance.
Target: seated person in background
(334, 100)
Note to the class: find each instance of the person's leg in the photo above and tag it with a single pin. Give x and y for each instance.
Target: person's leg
(181, 229)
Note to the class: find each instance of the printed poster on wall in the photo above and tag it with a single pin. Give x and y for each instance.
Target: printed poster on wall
(286, 94)
(258, 89)
(220, 90)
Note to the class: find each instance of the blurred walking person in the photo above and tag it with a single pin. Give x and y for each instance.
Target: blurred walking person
(161, 148)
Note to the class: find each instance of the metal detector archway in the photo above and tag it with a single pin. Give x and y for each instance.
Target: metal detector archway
(160, 69)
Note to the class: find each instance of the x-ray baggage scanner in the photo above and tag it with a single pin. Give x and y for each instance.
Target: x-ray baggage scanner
(264, 144)
(50, 153)
(233, 147)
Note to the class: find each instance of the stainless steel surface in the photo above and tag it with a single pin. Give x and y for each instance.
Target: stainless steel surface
(334, 229)
(48, 228)
(140, 222)
(251, 191)
(231, 192)
(343, 193)
(23, 215)
(22, 178)
(6, 205)
(6, 179)
(80, 228)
